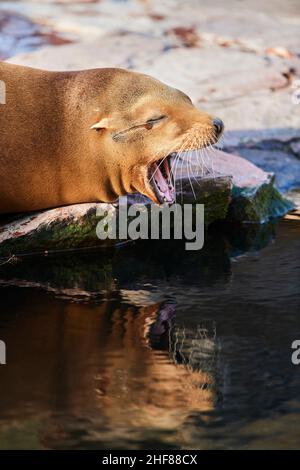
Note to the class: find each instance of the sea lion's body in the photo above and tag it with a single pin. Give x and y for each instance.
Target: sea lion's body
(44, 159)
(71, 137)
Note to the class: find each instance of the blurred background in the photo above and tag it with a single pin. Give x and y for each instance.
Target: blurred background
(238, 59)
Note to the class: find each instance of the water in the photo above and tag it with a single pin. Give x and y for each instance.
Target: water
(152, 347)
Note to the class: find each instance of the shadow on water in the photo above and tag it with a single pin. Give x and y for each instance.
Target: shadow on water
(151, 346)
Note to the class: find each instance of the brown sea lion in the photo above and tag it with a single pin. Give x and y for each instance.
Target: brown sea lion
(93, 135)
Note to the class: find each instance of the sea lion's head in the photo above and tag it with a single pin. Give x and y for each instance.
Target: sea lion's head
(143, 122)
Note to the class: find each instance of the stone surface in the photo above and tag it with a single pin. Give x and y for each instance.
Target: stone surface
(285, 165)
(19, 34)
(295, 146)
(75, 226)
(255, 197)
(229, 187)
(244, 71)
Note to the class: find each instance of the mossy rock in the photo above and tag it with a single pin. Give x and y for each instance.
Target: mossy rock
(74, 227)
(247, 195)
(214, 194)
(258, 204)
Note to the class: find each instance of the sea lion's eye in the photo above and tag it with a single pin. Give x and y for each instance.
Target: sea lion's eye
(150, 123)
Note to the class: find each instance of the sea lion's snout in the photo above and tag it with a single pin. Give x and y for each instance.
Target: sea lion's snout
(197, 130)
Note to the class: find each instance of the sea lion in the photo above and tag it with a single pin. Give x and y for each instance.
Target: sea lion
(92, 135)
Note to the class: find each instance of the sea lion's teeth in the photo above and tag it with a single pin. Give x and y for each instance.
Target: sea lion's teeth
(162, 181)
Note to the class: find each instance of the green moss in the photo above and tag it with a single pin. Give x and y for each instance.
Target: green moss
(60, 235)
(215, 205)
(258, 204)
(214, 194)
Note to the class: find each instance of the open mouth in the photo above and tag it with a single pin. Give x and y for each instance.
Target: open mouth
(161, 180)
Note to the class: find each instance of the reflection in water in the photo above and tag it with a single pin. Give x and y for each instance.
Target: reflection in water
(155, 348)
(98, 361)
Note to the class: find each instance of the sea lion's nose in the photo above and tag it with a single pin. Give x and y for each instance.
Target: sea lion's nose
(219, 126)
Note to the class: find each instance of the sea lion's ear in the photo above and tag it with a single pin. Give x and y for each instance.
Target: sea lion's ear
(104, 123)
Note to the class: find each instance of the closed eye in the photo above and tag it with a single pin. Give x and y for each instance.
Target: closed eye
(154, 120)
(148, 125)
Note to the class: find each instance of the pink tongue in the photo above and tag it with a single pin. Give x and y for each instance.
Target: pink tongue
(162, 185)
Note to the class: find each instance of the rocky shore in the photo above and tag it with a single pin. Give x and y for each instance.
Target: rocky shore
(235, 65)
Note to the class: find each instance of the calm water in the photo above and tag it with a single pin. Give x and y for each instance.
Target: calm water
(154, 347)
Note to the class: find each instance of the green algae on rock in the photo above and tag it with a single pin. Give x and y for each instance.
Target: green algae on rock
(234, 190)
(258, 204)
(74, 227)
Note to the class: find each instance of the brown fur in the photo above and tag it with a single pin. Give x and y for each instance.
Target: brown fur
(50, 154)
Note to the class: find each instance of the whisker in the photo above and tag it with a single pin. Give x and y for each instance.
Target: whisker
(188, 165)
(176, 164)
